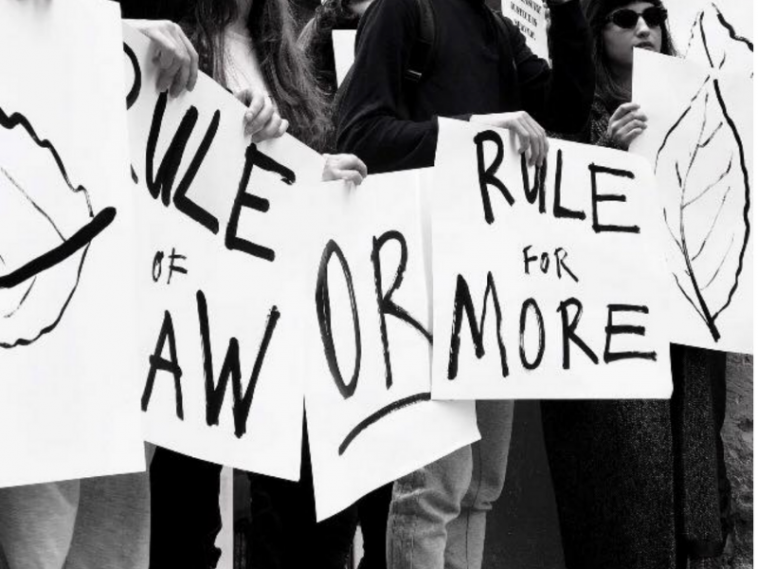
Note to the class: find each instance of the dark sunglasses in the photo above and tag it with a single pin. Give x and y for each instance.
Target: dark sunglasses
(627, 18)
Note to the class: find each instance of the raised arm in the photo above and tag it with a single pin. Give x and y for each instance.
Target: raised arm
(559, 98)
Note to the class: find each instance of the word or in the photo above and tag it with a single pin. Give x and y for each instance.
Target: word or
(385, 305)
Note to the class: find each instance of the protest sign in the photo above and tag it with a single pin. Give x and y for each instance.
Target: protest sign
(68, 359)
(216, 360)
(360, 292)
(699, 142)
(343, 43)
(714, 33)
(531, 18)
(547, 282)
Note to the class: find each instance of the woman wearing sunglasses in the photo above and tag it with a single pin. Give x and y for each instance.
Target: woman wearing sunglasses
(639, 484)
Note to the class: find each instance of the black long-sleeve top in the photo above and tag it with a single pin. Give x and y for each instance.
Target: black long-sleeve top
(476, 70)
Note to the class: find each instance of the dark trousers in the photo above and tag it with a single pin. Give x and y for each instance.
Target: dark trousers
(373, 510)
(284, 533)
(184, 516)
(185, 519)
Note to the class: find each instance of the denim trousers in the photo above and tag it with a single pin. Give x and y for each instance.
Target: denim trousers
(438, 513)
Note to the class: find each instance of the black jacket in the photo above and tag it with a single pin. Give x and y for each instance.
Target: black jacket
(391, 124)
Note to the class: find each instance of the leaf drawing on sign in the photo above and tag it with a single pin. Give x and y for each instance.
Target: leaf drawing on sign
(701, 166)
(46, 227)
(714, 42)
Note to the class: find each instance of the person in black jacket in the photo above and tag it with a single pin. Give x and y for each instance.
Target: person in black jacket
(480, 70)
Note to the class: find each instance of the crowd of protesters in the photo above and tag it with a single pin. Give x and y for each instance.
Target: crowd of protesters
(638, 484)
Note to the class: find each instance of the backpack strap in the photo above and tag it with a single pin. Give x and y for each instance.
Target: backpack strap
(423, 49)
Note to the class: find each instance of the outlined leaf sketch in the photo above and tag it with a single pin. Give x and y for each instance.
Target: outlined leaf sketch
(714, 42)
(46, 226)
(702, 169)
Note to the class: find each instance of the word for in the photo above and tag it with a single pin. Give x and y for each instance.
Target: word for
(544, 262)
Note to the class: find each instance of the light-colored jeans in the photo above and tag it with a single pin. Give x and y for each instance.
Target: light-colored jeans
(94, 523)
(438, 513)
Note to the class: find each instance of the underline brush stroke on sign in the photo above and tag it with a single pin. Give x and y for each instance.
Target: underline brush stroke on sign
(380, 414)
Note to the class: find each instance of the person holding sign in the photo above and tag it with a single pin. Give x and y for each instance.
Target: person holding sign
(101, 521)
(476, 65)
(636, 482)
(249, 47)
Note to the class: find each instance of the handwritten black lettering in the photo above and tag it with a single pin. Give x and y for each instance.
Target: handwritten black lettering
(569, 331)
(136, 87)
(597, 198)
(558, 210)
(161, 184)
(487, 173)
(384, 300)
(159, 363)
(560, 263)
(612, 329)
(463, 302)
(544, 263)
(157, 266)
(173, 266)
(324, 313)
(253, 157)
(538, 189)
(528, 258)
(215, 392)
(528, 304)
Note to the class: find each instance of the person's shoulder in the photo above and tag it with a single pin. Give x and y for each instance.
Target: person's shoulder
(392, 9)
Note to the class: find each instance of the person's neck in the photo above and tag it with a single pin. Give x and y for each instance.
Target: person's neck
(623, 78)
(239, 25)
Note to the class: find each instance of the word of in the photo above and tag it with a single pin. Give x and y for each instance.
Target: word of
(173, 267)
(385, 305)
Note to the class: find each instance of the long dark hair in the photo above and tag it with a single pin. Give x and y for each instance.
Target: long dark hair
(607, 88)
(286, 68)
(316, 39)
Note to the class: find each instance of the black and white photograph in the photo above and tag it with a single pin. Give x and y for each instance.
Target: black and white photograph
(376, 284)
